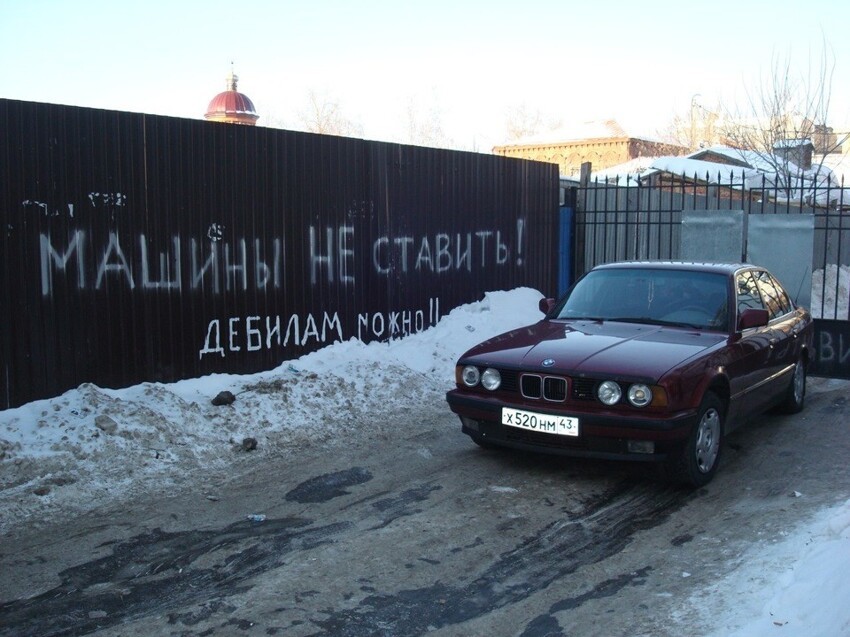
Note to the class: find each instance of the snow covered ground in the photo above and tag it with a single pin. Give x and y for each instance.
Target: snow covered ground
(93, 444)
(800, 582)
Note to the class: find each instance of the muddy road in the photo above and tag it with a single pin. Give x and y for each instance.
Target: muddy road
(420, 532)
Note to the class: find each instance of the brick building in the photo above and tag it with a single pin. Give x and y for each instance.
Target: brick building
(604, 144)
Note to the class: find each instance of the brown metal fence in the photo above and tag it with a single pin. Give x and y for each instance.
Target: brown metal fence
(143, 248)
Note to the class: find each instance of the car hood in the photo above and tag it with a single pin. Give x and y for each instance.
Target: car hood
(595, 347)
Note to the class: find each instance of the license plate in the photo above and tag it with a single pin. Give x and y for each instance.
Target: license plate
(546, 423)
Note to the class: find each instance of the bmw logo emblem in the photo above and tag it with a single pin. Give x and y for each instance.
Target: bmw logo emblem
(548, 362)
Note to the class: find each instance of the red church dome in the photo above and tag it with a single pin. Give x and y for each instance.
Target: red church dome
(232, 106)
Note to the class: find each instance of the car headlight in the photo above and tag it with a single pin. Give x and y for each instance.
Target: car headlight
(609, 392)
(640, 395)
(491, 379)
(470, 375)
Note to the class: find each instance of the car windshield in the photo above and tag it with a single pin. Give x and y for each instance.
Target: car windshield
(646, 295)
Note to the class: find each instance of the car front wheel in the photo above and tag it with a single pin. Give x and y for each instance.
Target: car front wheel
(697, 461)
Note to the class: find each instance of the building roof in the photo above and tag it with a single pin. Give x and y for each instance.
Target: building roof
(232, 106)
(818, 185)
(608, 129)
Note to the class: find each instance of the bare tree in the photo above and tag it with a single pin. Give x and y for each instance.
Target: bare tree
(522, 122)
(323, 115)
(698, 128)
(272, 119)
(786, 117)
(425, 128)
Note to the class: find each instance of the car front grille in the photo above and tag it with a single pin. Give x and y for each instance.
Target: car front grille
(551, 388)
(556, 389)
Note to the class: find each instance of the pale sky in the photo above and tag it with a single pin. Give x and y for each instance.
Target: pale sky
(471, 63)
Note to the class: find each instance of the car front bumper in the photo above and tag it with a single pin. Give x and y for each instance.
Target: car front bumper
(605, 436)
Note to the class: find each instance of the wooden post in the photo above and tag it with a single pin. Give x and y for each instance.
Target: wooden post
(584, 176)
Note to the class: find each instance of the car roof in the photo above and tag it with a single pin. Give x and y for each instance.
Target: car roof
(690, 266)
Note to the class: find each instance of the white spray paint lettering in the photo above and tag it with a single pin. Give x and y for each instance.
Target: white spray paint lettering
(254, 333)
(833, 349)
(240, 264)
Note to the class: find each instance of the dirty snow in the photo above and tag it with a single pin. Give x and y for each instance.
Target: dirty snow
(93, 444)
(830, 292)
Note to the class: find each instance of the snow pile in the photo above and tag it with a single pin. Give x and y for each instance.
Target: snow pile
(94, 444)
(797, 587)
(830, 293)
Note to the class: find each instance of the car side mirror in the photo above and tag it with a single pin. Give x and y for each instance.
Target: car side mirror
(546, 305)
(753, 318)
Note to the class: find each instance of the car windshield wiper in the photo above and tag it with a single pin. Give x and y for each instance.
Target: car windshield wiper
(582, 318)
(645, 320)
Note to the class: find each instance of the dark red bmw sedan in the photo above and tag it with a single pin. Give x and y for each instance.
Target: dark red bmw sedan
(649, 361)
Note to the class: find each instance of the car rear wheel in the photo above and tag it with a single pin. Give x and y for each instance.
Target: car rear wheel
(795, 395)
(697, 461)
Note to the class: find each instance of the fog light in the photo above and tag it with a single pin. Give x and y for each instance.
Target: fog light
(641, 446)
(469, 423)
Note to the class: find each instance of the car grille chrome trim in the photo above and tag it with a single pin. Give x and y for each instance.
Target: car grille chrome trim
(555, 389)
(537, 387)
(531, 386)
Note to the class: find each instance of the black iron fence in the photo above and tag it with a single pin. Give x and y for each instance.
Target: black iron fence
(142, 248)
(633, 218)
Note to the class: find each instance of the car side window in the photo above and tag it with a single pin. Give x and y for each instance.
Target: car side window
(768, 294)
(747, 292)
(772, 298)
(784, 299)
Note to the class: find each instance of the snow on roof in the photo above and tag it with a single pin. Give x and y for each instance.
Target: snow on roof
(792, 143)
(750, 157)
(626, 172)
(817, 185)
(643, 167)
(708, 170)
(822, 167)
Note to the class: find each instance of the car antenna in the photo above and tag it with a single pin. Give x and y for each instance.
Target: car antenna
(800, 288)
